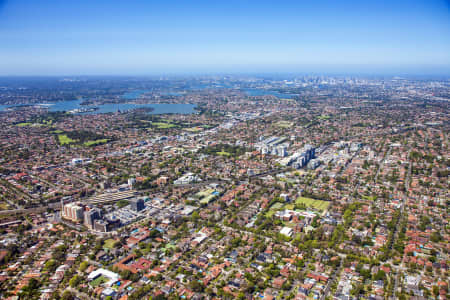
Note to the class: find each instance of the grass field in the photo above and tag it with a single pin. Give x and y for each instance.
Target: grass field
(309, 202)
(162, 125)
(207, 199)
(24, 124)
(289, 206)
(122, 203)
(206, 196)
(95, 143)
(65, 140)
(224, 153)
(270, 213)
(193, 129)
(324, 117)
(274, 208)
(98, 281)
(4, 206)
(204, 193)
(284, 124)
(370, 198)
(109, 244)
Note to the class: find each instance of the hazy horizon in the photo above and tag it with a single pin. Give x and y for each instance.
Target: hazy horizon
(150, 38)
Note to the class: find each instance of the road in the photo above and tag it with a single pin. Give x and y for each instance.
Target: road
(330, 282)
(402, 209)
(381, 163)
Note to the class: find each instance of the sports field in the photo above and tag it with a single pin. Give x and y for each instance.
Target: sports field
(64, 139)
(163, 125)
(284, 124)
(309, 202)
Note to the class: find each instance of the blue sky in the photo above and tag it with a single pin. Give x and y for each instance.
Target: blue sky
(43, 37)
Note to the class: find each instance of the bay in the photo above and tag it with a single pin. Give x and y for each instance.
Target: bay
(158, 108)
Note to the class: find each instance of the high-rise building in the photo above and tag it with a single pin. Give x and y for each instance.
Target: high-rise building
(72, 212)
(131, 182)
(137, 204)
(77, 212)
(90, 216)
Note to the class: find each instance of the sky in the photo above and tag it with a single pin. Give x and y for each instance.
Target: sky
(108, 37)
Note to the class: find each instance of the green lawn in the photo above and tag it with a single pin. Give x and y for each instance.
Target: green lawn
(122, 203)
(205, 196)
(109, 244)
(309, 202)
(324, 117)
(284, 124)
(95, 143)
(193, 129)
(163, 125)
(224, 153)
(270, 213)
(289, 206)
(24, 124)
(204, 193)
(98, 281)
(65, 140)
(274, 208)
(207, 199)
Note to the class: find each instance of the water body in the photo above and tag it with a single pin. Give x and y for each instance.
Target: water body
(175, 94)
(137, 94)
(204, 86)
(134, 94)
(162, 108)
(4, 107)
(261, 92)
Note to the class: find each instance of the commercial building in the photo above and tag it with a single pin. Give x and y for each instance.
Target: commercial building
(72, 212)
(273, 145)
(90, 216)
(105, 225)
(137, 204)
(300, 158)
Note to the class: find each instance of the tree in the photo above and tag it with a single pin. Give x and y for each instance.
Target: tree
(196, 286)
(75, 281)
(50, 265)
(435, 237)
(31, 290)
(381, 275)
(83, 266)
(195, 216)
(67, 295)
(125, 274)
